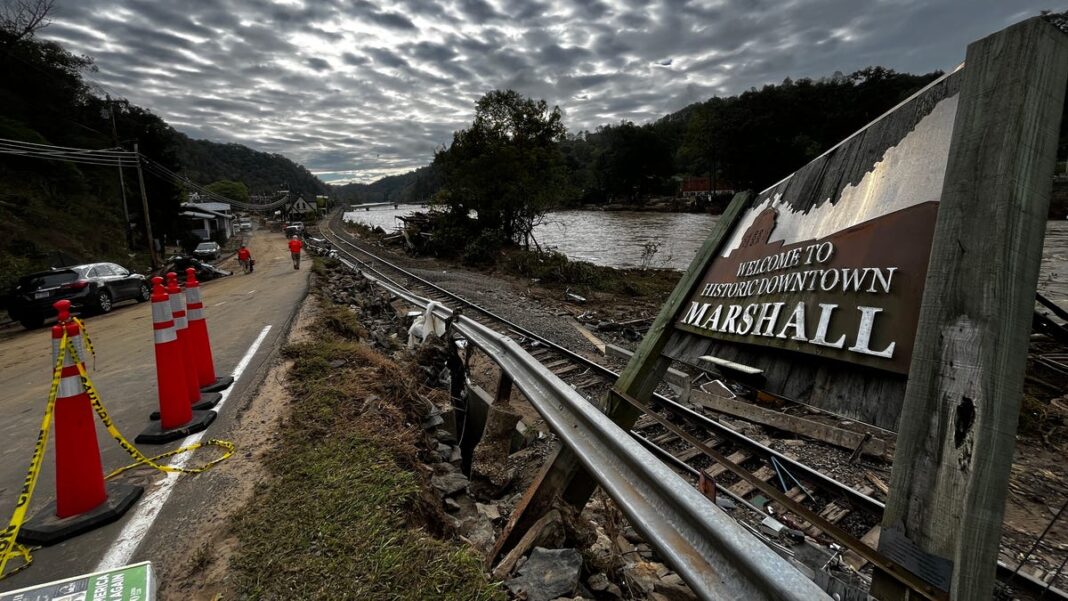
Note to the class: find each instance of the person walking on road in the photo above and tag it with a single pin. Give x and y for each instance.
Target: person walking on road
(245, 258)
(294, 249)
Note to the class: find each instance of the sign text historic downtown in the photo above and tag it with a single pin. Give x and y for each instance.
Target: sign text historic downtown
(796, 271)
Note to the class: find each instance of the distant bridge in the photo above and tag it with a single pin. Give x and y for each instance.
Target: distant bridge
(368, 206)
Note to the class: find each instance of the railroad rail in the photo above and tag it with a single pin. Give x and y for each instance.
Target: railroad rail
(710, 550)
(690, 453)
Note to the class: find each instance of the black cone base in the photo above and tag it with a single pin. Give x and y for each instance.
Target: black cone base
(207, 401)
(220, 383)
(155, 434)
(44, 528)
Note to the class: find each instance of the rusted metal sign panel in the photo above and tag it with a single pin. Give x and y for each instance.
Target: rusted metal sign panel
(831, 261)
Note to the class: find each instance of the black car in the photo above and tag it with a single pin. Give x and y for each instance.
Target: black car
(93, 287)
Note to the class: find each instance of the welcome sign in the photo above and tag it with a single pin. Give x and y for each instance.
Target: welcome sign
(838, 273)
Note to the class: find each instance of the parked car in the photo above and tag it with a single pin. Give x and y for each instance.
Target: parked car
(295, 228)
(244, 224)
(91, 287)
(207, 250)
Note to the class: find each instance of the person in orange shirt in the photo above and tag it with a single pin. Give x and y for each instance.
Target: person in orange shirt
(294, 249)
(245, 258)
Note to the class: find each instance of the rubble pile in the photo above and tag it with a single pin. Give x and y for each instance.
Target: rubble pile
(371, 308)
(594, 555)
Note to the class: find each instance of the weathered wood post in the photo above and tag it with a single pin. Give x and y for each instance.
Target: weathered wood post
(958, 423)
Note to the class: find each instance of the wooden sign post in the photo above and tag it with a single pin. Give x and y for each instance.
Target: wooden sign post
(958, 422)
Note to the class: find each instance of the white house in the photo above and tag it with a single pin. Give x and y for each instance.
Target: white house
(301, 206)
(209, 218)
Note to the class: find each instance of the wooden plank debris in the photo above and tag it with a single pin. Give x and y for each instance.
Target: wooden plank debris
(839, 437)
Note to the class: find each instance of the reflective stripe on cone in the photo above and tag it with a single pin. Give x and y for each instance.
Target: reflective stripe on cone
(174, 407)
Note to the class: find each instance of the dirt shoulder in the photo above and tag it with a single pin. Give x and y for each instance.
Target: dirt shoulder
(200, 568)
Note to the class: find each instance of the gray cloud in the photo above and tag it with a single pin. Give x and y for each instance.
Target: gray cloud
(365, 88)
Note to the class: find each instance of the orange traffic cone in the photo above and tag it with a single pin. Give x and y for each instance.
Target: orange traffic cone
(177, 418)
(200, 400)
(201, 343)
(83, 500)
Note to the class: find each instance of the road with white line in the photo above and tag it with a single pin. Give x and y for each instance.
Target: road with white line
(247, 318)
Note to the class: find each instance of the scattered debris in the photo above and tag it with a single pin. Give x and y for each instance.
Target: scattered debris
(548, 574)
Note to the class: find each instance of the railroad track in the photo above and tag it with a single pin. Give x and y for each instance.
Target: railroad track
(810, 502)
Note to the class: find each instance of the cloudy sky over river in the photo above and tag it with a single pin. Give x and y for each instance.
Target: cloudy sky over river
(359, 89)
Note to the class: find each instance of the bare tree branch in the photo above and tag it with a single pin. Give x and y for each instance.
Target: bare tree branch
(22, 18)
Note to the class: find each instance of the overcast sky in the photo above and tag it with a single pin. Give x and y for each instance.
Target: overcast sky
(358, 89)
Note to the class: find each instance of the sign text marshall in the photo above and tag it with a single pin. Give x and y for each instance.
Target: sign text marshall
(852, 296)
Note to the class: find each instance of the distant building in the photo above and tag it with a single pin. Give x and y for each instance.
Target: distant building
(209, 219)
(299, 208)
(702, 186)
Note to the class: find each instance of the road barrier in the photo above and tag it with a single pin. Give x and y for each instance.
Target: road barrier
(200, 341)
(199, 400)
(177, 419)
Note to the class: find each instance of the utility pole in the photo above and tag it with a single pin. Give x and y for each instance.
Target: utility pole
(122, 179)
(144, 207)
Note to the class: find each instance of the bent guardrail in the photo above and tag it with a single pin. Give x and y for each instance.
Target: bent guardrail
(712, 552)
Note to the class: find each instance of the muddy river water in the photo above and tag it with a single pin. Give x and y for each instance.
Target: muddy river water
(631, 239)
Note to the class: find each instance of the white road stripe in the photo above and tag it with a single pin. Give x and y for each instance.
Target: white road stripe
(138, 524)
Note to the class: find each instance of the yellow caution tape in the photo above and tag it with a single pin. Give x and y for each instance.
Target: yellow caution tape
(84, 334)
(9, 547)
(88, 340)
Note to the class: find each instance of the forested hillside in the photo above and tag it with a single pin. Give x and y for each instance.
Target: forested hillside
(413, 186)
(49, 207)
(207, 161)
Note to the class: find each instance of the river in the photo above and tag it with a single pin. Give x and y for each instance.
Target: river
(618, 239)
(611, 238)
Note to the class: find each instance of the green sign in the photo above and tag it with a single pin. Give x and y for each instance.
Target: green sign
(129, 583)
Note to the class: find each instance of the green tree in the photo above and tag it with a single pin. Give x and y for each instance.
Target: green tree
(230, 189)
(507, 166)
(632, 162)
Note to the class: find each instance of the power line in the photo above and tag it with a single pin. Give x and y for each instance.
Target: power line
(75, 155)
(165, 173)
(110, 157)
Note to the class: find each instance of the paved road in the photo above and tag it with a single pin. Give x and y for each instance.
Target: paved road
(238, 308)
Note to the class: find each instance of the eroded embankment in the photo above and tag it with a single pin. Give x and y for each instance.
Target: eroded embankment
(344, 511)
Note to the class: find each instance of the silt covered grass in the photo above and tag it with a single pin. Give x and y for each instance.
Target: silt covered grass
(345, 514)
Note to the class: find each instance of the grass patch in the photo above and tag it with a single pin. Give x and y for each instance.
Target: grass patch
(340, 320)
(345, 515)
